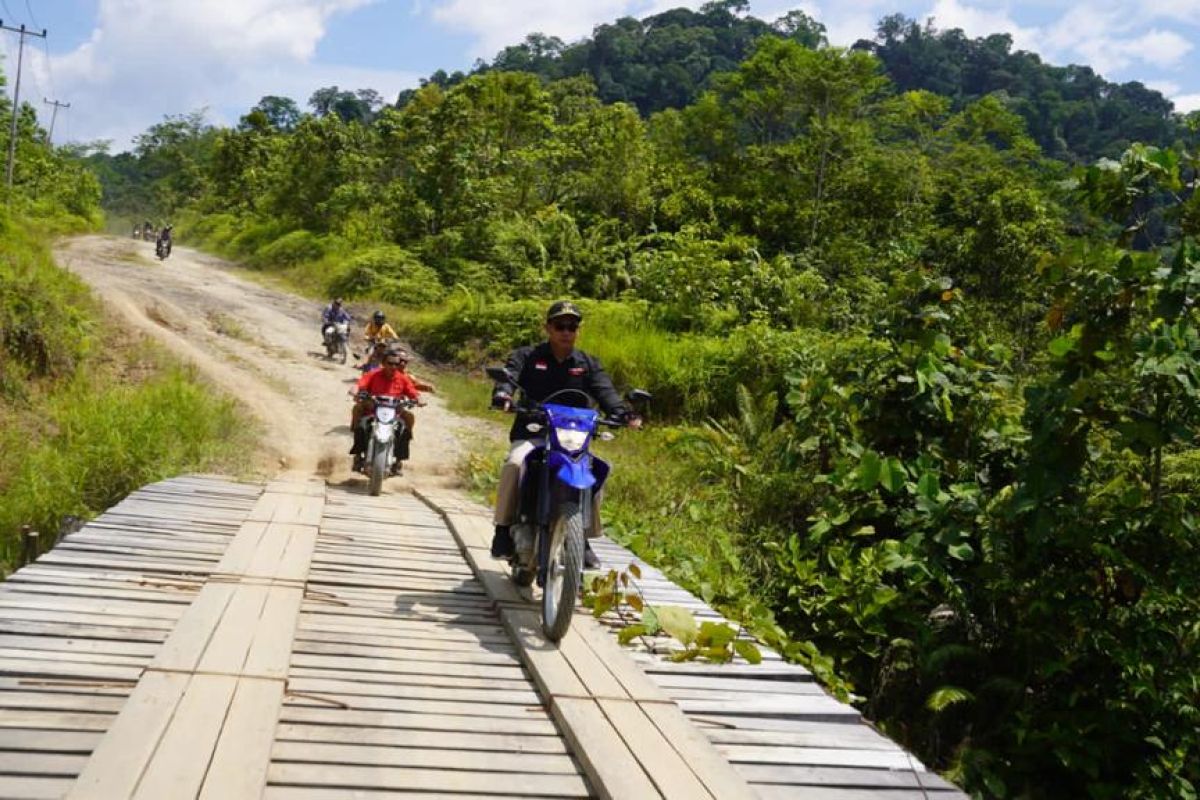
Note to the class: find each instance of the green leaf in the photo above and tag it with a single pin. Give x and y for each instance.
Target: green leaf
(650, 620)
(868, 469)
(947, 696)
(635, 571)
(962, 551)
(677, 622)
(892, 475)
(928, 486)
(635, 602)
(628, 634)
(1062, 345)
(747, 650)
(715, 634)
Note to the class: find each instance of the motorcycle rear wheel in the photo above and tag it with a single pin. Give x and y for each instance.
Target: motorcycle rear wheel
(379, 468)
(564, 573)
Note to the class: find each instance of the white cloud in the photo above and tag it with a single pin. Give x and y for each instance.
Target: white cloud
(975, 21)
(1162, 49)
(496, 25)
(1186, 103)
(150, 58)
(1165, 88)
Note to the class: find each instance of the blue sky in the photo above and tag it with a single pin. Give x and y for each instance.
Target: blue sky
(124, 64)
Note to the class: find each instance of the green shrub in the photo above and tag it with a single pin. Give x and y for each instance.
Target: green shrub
(389, 273)
(290, 250)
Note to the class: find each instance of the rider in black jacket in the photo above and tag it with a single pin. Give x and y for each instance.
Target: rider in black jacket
(540, 370)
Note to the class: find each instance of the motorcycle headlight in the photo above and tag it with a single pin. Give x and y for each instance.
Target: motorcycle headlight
(385, 414)
(571, 440)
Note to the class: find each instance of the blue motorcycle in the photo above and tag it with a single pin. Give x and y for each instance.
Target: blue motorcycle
(561, 476)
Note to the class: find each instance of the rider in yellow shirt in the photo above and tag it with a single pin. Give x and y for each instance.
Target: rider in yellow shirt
(378, 329)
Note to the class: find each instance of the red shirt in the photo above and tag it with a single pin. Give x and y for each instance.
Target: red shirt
(400, 385)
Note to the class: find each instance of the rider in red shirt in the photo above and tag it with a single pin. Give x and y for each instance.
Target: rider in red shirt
(392, 381)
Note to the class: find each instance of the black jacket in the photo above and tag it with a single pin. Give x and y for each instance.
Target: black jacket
(539, 374)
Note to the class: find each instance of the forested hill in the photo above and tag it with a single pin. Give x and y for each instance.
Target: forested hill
(666, 61)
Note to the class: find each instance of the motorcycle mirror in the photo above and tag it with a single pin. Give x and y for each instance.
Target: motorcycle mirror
(498, 374)
(638, 396)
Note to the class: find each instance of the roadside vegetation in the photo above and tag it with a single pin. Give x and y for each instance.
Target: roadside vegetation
(926, 386)
(87, 414)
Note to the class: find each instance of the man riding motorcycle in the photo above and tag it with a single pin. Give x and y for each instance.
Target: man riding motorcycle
(540, 371)
(163, 243)
(378, 329)
(389, 380)
(332, 315)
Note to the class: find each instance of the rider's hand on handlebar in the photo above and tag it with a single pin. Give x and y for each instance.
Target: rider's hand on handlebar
(633, 421)
(501, 401)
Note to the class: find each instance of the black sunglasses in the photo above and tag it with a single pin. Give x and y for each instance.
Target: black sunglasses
(565, 326)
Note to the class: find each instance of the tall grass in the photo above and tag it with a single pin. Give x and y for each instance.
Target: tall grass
(86, 414)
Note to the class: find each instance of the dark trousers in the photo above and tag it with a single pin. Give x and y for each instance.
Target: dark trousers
(363, 430)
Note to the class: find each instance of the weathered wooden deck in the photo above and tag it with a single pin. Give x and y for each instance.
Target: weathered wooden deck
(211, 639)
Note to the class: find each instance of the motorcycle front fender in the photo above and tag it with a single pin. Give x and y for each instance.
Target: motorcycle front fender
(574, 473)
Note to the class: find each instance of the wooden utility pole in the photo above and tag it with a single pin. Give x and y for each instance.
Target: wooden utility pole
(53, 116)
(16, 106)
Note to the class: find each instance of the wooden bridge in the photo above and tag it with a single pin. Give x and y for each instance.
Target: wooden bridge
(211, 639)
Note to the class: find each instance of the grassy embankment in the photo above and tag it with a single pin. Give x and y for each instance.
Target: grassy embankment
(87, 412)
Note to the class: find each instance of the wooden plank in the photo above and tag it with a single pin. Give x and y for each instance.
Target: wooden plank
(294, 564)
(243, 752)
(423, 757)
(804, 734)
(271, 648)
(35, 740)
(850, 777)
(670, 773)
(118, 761)
(494, 784)
(33, 788)
(186, 644)
(61, 700)
(549, 668)
(537, 725)
(55, 720)
(509, 693)
(64, 669)
(611, 768)
(603, 649)
(417, 706)
(241, 549)
(404, 737)
(817, 756)
(717, 775)
(226, 651)
(42, 764)
(178, 765)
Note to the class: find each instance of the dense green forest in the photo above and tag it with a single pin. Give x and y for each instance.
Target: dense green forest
(87, 413)
(926, 388)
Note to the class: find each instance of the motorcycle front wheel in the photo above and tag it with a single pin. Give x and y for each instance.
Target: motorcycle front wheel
(564, 572)
(379, 468)
(343, 351)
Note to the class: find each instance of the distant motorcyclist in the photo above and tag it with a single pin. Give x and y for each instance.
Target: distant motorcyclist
(540, 371)
(163, 244)
(332, 315)
(390, 380)
(147, 231)
(378, 329)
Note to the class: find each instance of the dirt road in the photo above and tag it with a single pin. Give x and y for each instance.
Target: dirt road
(262, 346)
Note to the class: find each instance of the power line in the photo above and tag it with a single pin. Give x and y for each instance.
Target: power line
(16, 106)
(53, 117)
(32, 18)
